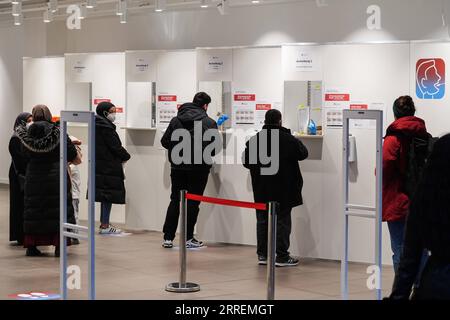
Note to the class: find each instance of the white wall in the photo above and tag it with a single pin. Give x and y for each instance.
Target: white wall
(13, 46)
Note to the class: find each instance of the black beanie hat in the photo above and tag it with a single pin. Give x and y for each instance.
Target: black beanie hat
(103, 107)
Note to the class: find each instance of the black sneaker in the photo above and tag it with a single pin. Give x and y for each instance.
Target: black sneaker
(194, 243)
(262, 260)
(33, 252)
(289, 262)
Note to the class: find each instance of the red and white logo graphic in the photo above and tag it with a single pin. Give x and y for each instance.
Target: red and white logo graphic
(97, 101)
(337, 97)
(263, 106)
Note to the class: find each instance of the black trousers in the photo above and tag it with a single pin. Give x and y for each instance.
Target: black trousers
(284, 226)
(194, 181)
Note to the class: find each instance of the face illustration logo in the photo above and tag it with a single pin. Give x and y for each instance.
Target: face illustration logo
(430, 79)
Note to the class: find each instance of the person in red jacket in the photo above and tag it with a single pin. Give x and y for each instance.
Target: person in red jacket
(395, 162)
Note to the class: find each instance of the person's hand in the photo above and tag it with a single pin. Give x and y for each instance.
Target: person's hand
(77, 142)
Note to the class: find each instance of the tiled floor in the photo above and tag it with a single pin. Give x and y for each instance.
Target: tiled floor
(137, 267)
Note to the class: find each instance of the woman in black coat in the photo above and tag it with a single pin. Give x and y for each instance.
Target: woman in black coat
(428, 228)
(17, 172)
(41, 215)
(109, 159)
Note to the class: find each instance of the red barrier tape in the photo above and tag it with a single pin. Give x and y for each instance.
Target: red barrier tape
(224, 202)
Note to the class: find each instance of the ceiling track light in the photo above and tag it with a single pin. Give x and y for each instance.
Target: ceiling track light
(17, 9)
(223, 7)
(90, 4)
(18, 20)
(48, 15)
(255, 1)
(16, 1)
(160, 5)
(83, 12)
(123, 17)
(53, 5)
(203, 4)
(121, 7)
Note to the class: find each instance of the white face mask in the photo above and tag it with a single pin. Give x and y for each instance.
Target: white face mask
(29, 124)
(111, 117)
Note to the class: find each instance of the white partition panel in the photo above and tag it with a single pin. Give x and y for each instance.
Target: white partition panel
(106, 72)
(215, 64)
(139, 105)
(79, 96)
(43, 83)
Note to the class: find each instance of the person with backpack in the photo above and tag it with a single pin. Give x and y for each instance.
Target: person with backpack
(189, 174)
(405, 149)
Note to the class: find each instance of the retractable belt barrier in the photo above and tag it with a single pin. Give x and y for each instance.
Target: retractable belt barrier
(271, 207)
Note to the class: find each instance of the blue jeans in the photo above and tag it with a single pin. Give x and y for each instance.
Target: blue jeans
(397, 233)
(105, 212)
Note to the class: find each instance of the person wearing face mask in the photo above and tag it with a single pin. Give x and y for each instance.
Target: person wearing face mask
(17, 170)
(110, 156)
(41, 142)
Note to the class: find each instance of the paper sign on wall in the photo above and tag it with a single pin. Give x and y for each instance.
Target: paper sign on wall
(335, 102)
(166, 109)
(305, 61)
(260, 113)
(244, 108)
(215, 64)
(141, 65)
(79, 67)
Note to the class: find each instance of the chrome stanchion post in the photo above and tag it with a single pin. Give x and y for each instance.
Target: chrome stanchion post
(271, 249)
(182, 285)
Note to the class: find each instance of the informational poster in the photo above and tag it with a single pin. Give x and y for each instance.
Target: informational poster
(215, 64)
(244, 108)
(166, 109)
(141, 65)
(120, 112)
(335, 102)
(261, 108)
(305, 61)
(79, 67)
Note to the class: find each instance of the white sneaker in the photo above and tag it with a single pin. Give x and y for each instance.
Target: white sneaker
(194, 243)
(167, 244)
(110, 230)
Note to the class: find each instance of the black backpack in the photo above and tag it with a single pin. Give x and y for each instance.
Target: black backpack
(419, 151)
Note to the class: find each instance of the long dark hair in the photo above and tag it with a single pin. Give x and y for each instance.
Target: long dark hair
(431, 203)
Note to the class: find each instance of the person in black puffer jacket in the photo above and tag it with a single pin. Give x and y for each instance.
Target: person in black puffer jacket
(110, 156)
(189, 174)
(428, 228)
(41, 195)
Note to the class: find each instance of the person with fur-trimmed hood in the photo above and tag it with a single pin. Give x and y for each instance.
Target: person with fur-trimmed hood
(40, 141)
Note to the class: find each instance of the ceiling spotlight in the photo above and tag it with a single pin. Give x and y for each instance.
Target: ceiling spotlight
(203, 4)
(17, 9)
(16, 1)
(160, 5)
(123, 17)
(255, 1)
(83, 12)
(48, 15)
(90, 4)
(18, 20)
(121, 7)
(223, 7)
(322, 3)
(53, 5)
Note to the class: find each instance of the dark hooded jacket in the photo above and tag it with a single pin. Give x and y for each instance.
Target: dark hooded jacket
(285, 186)
(188, 115)
(109, 158)
(395, 158)
(41, 144)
